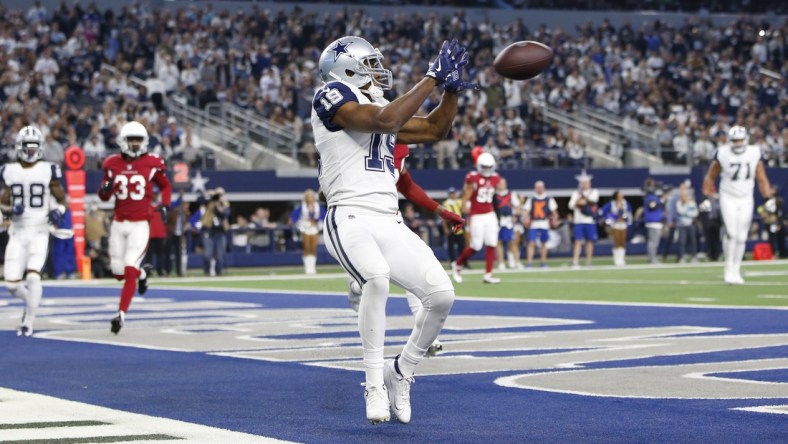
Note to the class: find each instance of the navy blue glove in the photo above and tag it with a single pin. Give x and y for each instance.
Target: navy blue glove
(454, 82)
(55, 216)
(18, 209)
(163, 210)
(443, 65)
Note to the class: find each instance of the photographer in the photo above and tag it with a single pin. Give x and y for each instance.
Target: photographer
(772, 214)
(215, 223)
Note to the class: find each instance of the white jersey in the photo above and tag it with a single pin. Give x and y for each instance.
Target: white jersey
(737, 171)
(30, 187)
(355, 168)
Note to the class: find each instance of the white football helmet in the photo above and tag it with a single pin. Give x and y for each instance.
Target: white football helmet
(133, 130)
(28, 144)
(737, 137)
(354, 60)
(485, 164)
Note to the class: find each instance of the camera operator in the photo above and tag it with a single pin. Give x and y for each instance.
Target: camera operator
(215, 223)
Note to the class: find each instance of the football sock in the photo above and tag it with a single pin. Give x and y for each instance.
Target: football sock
(489, 258)
(129, 288)
(429, 322)
(35, 290)
(738, 256)
(413, 302)
(466, 253)
(372, 327)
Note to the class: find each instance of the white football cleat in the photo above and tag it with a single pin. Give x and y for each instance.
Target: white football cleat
(399, 391)
(734, 279)
(353, 294)
(489, 279)
(377, 404)
(435, 349)
(455, 272)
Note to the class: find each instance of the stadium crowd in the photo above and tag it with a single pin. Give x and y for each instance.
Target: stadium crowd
(685, 84)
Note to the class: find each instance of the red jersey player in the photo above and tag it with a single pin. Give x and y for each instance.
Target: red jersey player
(479, 190)
(129, 177)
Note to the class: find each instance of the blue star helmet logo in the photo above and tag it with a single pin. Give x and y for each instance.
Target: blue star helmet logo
(340, 48)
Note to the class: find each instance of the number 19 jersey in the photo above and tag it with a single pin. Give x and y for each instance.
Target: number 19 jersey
(737, 171)
(133, 180)
(355, 168)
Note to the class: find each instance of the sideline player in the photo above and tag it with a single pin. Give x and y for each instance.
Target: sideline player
(415, 194)
(738, 165)
(129, 176)
(355, 129)
(27, 186)
(478, 194)
(540, 213)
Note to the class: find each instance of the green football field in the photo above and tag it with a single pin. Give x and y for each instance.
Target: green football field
(696, 284)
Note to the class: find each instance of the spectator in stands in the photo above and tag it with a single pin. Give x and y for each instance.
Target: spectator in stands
(240, 231)
(681, 145)
(583, 204)
(308, 219)
(574, 149)
(703, 149)
(617, 214)
(261, 221)
(686, 213)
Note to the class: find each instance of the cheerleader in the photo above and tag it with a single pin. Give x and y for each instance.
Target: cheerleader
(618, 217)
(308, 219)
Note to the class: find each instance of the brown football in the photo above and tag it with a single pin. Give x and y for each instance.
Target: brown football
(523, 60)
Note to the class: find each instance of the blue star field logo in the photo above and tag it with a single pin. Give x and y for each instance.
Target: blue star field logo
(340, 48)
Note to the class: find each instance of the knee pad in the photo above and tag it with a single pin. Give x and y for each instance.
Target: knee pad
(33, 278)
(12, 286)
(378, 285)
(440, 301)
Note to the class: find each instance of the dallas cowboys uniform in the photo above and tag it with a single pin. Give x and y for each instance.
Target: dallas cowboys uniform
(29, 232)
(28, 235)
(364, 230)
(737, 181)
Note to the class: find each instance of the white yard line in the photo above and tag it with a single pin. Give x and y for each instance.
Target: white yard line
(30, 416)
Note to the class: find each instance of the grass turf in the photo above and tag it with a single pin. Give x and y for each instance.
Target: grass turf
(697, 284)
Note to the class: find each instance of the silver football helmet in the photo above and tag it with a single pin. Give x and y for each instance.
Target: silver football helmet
(133, 130)
(354, 60)
(485, 164)
(737, 137)
(29, 143)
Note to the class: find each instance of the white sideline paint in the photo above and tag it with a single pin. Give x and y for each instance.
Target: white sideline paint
(774, 409)
(22, 407)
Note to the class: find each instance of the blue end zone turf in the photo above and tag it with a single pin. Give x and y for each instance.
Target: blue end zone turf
(306, 403)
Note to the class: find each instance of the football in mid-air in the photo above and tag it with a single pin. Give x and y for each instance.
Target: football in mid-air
(523, 60)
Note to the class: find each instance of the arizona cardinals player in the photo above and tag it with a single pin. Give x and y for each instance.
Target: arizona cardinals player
(478, 193)
(129, 177)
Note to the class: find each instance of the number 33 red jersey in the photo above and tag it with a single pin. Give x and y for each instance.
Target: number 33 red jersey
(133, 180)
